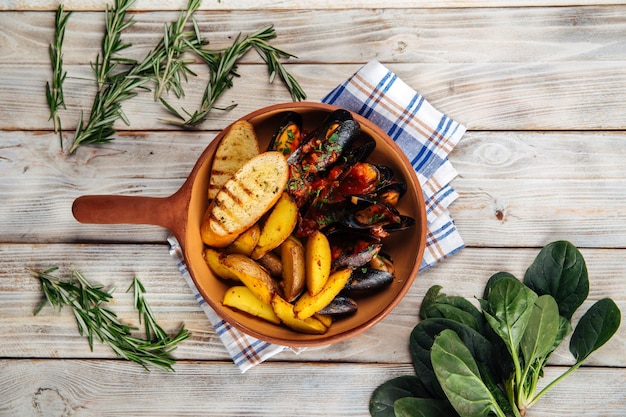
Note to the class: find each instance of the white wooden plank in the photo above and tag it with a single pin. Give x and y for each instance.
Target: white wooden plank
(441, 36)
(541, 96)
(292, 5)
(541, 155)
(54, 334)
(106, 388)
(580, 211)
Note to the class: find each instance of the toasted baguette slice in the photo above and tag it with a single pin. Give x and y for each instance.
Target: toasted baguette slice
(244, 198)
(237, 147)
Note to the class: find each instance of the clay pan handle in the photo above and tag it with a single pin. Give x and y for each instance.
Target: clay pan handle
(119, 209)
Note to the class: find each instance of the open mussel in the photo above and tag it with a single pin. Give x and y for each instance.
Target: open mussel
(405, 223)
(384, 262)
(374, 216)
(361, 179)
(336, 134)
(360, 151)
(350, 248)
(367, 281)
(340, 306)
(289, 134)
(390, 193)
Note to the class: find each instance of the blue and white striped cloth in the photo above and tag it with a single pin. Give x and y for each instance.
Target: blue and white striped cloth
(426, 136)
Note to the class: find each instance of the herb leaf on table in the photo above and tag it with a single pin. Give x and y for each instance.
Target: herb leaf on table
(54, 91)
(165, 68)
(96, 321)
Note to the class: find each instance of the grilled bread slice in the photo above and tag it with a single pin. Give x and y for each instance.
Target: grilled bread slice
(244, 198)
(238, 146)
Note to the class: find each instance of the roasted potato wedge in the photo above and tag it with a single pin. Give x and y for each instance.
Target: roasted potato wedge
(252, 275)
(280, 222)
(284, 311)
(215, 259)
(308, 304)
(326, 319)
(318, 261)
(241, 298)
(292, 256)
(245, 243)
(272, 264)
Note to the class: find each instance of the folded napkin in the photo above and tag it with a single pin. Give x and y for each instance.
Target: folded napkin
(425, 135)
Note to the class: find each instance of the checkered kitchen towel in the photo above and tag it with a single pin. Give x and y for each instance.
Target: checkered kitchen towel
(425, 135)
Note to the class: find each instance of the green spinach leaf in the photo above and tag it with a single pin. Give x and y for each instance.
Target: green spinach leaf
(459, 309)
(458, 375)
(495, 278)
(421, 342)
(594, 328)
(384, 397)
(542, 330)
(508, 309)
(488, 361)
(560, 270)
(423, 407)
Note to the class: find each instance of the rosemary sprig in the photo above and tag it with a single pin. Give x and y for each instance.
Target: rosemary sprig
(98, 322)
(54, 92)
(167, 68)
(117, 88)
(106, 107)
(223, 68)
(108, 60)
(152, 328)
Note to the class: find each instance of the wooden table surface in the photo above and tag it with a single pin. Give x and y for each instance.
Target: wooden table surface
(540, 85)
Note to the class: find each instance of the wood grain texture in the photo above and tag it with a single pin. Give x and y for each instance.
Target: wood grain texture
(85, 388)
(541, 96)
(402, 35)
(53, 334)
(291, 5)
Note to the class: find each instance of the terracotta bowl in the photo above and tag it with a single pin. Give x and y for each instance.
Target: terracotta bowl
(182, 213)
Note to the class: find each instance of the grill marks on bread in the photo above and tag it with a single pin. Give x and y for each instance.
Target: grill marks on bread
(244, 198)
(237, 147)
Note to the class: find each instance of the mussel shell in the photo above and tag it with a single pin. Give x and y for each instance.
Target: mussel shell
(384, 262)
(405, 223)
(367, 281)
(336, 116)
(360, 179)
(382, 214)
(360, 152)
(390, 192)
(291, 118)
(386, 174)
(351, 249)
(341, 305)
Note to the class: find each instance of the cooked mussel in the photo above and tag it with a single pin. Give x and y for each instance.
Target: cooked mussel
(350, 248)
(405, 222)
(340, 306)
(367, 281)
(288, 136)
(336, 134)
(367, 213)
(359, 152)
(390, 193)
(384, 262)
(361, 179)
